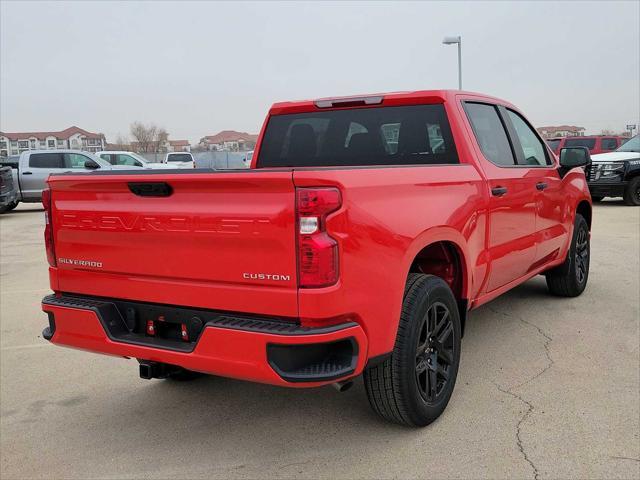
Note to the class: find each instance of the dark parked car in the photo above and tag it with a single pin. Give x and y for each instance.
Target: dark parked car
(617, 174)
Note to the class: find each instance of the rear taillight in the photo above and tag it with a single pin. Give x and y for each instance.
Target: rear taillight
(317, 250)
(48, 227)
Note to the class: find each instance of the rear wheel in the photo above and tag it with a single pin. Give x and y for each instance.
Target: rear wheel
(413, 386)
(570, 278)
(632, 192)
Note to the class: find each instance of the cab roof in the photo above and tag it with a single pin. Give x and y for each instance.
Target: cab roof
(376, 99)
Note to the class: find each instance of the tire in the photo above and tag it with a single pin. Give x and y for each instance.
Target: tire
(402, 388)
(632, 192)
(570, 278)
(8, 207)
(596, 199)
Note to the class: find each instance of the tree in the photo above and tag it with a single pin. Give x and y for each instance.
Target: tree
(149, 138)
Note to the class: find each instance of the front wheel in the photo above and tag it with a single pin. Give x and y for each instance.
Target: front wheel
(413, 386)
(8, 207)
(570, 278)
(632, 192)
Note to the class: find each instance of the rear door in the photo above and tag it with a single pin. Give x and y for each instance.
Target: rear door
(512, 210)
(211, 240)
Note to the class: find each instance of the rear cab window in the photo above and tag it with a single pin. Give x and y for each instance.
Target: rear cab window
(399, 135)
(179, 157)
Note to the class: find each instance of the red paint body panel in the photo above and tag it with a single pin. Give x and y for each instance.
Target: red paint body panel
(193, 248)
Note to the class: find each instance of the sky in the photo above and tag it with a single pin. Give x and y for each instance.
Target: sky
(196, 68)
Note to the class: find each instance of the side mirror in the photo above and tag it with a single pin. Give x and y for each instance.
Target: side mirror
(572, 157)
(91, 165)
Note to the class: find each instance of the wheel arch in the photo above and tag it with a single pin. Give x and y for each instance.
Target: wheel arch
(444, 256)
(584, 208)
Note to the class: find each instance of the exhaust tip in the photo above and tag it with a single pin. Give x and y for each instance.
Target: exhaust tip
(343, 386)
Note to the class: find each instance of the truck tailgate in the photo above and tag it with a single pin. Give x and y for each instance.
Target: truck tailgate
(224, 240)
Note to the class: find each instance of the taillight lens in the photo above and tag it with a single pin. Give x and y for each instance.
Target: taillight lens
(48, 227)
(317, 251)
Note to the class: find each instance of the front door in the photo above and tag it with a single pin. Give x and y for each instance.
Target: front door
(552, 232)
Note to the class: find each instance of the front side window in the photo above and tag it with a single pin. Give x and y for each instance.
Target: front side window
(76, 160)
(46, 160)
(124, 159)
(533, 150)
(609, 144)
(490, 133)
(406, 135)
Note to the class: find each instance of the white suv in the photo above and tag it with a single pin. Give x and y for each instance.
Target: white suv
(180, 160)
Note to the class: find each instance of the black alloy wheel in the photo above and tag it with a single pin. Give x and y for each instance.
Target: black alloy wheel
(435, 352)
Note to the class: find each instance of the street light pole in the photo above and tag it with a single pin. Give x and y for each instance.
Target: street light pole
(452, 41)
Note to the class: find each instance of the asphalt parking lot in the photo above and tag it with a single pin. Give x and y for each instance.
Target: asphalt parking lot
(548, 388)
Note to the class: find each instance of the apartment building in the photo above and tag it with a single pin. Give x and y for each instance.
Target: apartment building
(72, 137)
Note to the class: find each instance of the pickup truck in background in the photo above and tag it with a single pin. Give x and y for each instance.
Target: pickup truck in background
(617, 174)
(33, 167)
(180, 160)
(365, 231)
(8, 190)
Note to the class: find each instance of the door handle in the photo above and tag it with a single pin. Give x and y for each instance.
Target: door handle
(498, 191)
(541, 186)
(27, 173)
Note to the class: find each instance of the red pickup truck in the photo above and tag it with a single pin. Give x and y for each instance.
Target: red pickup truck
(365, 231)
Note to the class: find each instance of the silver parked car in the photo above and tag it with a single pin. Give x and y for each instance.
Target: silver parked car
(35, 166)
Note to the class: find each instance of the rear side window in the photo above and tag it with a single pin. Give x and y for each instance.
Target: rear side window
(107, 157)
(490, 133)
(46, 160)
(609, 143)
(590, 143)
(418, 134)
